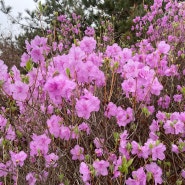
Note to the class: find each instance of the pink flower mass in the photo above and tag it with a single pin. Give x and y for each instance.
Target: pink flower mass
(84, 109)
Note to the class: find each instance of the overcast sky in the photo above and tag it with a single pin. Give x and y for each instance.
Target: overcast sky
(17, 6)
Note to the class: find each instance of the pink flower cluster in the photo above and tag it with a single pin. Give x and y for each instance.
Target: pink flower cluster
(96, 107)
(87, 104)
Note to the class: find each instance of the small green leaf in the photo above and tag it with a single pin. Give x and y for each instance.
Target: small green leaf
(130, 162)
(116, 136)
(29, 65)
(115, 66)
(183, 90)
(149, 176)
(13, 108)
(61, 176)
(91, 146)
(178, 182)
(1, 83)
(25, 79)
(67, 182)
(168, 164)
(145, 111)
(75, 42)
(76, 130)
(87, 157)
(19, 134)
(40, 7)
(4, 142)
(167, 174)
(181, 146)
(68, 72)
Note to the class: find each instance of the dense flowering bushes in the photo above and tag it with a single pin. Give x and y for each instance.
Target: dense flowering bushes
(86, 114)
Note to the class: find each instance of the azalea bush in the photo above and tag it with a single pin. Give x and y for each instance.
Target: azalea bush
(90, 112)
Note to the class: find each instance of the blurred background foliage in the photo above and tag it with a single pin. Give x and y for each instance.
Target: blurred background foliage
(119, 13)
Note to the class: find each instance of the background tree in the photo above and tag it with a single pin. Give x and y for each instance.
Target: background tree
(9, 53)
(120, 13)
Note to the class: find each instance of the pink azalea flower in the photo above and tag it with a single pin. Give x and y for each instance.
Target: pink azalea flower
(88, 44)
(101, 167)
(89, 31)
(161, 116)
(173, 127)
(16, 74)
(156, 172)
(64, 132)
(156, 87)
(36, 54)
(39, 41)
(3, 70)
(123, 148)
(84, 127)
(136, 149)
(54, 125)
(177, 97)
(51, 160)
(59, 86)
(39, 145)
(24, 59)
(60, 47)
(98, 142)
(99, 152)
(124, 116)
(19, 90)
(183, 173)
(145, 74)
(3, 122)
(117, 163)
(153, 136)
(83, 108)
(179, 127)
(154, 126)
(10, 134)
(139, 178)
(145, 151)
(113, 50)
(54, 46)
(77, 153)
(30, 177)
(84, 170)
(3, 170)
(129, 85)
(158, 152)
(126, 54)
(76, 55)
(131, 69)
(175, 149)
(18, 158)
(87, 104)
(111, 110)
(163, 47)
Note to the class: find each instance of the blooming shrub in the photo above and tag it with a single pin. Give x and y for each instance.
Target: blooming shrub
(92, 115)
